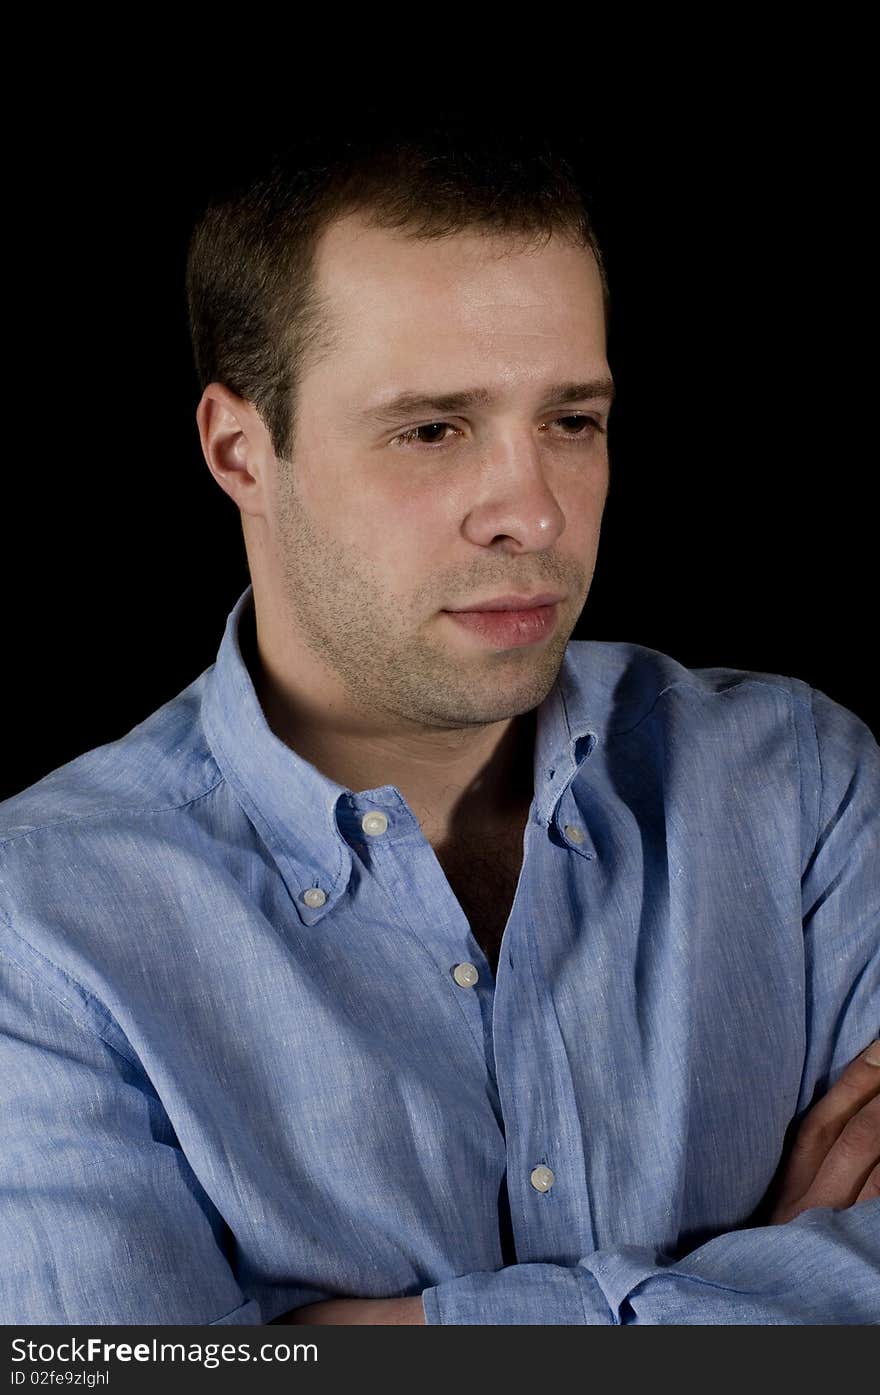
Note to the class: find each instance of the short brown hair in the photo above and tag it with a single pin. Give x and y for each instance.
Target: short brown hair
(255, 318)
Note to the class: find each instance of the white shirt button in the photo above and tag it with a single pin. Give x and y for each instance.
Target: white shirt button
(314, 897)
(374, 823)
(465, 975)
(574, 833)
(542, 1179)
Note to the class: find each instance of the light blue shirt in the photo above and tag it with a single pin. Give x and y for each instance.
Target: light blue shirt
(245, 1068)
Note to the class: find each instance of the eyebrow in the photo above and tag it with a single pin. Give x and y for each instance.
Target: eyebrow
(418, 404)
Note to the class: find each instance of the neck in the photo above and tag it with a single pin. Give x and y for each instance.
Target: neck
(469, 777)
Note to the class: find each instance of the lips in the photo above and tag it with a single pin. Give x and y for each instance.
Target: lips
(505, 628)
(511, 603)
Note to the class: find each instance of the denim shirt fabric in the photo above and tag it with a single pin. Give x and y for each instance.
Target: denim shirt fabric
(240, 1072)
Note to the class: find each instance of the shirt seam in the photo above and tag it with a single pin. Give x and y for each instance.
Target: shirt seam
(240, 1308)
(717, 693)
(821, 795)
(582, 1276)
(810, 795)
(117, 809)
(79, 1018)
(796, 746)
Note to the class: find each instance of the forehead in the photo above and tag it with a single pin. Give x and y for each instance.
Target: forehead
(469, 301)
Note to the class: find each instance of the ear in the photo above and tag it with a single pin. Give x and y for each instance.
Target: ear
(236, 446)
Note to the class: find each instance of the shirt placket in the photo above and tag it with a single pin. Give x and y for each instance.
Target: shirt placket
(381, 824)
(546, 1172)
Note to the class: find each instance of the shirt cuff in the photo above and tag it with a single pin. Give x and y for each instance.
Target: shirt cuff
(521, 1295)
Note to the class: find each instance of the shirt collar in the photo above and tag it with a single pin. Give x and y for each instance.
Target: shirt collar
(295, 807)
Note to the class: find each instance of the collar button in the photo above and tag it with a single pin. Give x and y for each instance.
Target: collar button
(374, 823)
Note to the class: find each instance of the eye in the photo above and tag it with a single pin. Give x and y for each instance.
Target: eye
(584, 429)
(587, 426)
(412, 437)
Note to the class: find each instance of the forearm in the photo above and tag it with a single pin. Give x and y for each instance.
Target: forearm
(358, 1312)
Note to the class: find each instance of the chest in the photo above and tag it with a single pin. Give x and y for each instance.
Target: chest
(483, 873)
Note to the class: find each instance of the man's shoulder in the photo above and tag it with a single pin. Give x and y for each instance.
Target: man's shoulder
(162, 763)
(624, 681)
(109, 851)
(618, 685)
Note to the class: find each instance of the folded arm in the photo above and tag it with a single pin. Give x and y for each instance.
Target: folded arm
(101, 1217)
(822, 1265)
(833, 1162)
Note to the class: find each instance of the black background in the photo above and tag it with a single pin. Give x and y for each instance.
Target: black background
(740, 528)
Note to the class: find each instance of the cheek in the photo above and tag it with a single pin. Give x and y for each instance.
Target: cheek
(409, 529)
(591, 494)
(397, 531)
(581, 494)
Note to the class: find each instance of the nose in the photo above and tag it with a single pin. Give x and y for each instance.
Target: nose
(513, 499)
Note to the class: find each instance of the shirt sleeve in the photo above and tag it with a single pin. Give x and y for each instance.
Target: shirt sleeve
(102, 1220)
(823, 1266)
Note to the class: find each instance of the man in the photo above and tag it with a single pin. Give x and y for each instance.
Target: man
(415, 963)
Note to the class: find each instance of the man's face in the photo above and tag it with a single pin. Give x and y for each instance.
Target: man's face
(380, 525)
